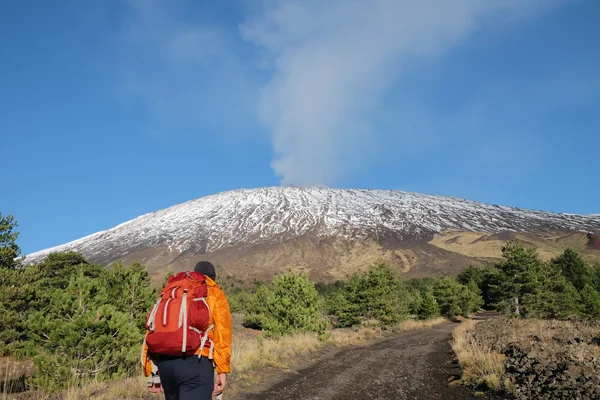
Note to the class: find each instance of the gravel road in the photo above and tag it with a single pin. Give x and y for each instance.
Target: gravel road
(411, 365)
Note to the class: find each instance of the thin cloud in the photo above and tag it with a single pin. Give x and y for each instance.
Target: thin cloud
(333, 61)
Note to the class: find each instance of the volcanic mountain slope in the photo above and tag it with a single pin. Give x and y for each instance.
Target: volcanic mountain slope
(330, 233)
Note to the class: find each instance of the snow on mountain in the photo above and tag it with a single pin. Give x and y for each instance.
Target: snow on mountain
(272, 215)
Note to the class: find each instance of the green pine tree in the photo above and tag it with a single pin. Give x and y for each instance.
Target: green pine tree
(9, 250)
(574, 268)
(472, 300)
(129, 289)
(414, 298)
(590, 299)
(374, 295)
(563, 299)
(14, 307)
(485, 278)
(83, 335)
(520, 287)
(429, 307)
(238, 302)
(454, 298)
(289, 304)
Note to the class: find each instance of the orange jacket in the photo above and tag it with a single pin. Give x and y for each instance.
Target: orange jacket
(220, 318)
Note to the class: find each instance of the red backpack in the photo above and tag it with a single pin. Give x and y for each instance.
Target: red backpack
(178, 323)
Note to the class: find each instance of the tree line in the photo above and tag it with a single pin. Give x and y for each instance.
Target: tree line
(293, 303)
(524, 285)
(76, 320)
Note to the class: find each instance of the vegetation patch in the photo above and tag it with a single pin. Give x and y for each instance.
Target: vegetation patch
(548, 344)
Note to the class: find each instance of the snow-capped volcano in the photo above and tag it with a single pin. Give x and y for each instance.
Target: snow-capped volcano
(243, 219)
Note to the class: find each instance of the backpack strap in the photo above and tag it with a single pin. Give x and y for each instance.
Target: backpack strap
(203, 299)
(203, 343)
(212, 348)
(152, 317)
(183, 320)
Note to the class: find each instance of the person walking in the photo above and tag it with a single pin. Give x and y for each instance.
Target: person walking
(192, 376)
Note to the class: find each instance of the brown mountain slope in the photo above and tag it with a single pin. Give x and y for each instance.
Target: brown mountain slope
(328, 260)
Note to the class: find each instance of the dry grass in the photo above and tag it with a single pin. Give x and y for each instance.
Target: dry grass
(12, 373)
(412, 325)
(126, 389)
(478, 362)
(130, 389)
(484, 245)
(250, 351)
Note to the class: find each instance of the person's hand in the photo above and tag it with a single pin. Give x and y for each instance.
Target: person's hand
(154, 384)
(220, 383)
(156, 388)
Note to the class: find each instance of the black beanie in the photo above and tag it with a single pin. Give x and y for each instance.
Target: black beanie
(206, 268)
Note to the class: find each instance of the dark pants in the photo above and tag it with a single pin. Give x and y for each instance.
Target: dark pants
(189, 378)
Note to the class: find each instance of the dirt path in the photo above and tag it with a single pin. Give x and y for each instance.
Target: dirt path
(412, 365)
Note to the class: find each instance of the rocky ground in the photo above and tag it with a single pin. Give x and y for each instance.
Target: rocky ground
(546, 359)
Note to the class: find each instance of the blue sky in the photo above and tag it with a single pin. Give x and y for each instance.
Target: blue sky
(112, 109)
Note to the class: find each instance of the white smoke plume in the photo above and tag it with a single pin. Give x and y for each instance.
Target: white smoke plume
(333, 61)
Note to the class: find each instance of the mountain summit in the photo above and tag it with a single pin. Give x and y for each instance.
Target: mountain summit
(326, 232)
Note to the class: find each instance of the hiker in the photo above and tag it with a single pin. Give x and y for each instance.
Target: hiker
(190, 375)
